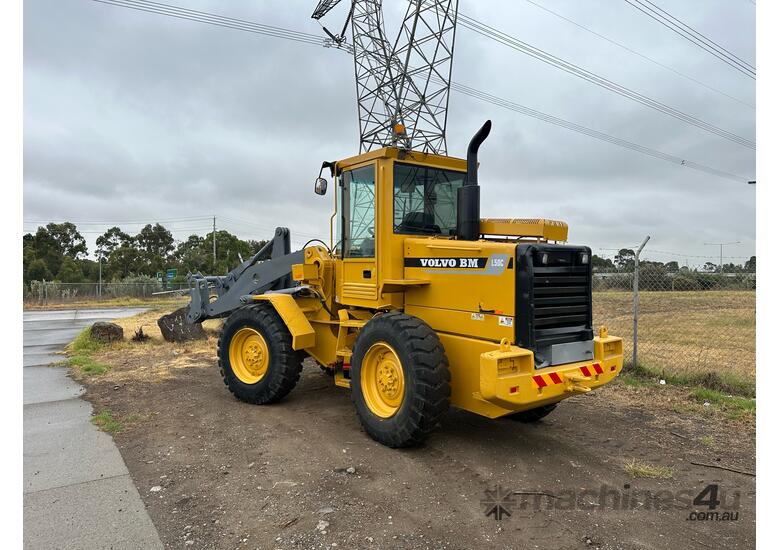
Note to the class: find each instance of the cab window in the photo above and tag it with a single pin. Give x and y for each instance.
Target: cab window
(358, 212)
(425, 199)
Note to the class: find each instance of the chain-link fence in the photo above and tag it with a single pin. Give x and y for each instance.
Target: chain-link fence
(48, 293)
(688, 323)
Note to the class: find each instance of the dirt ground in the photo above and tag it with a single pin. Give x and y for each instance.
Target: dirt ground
(218, 473)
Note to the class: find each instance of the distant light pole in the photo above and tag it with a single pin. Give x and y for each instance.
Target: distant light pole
(100, 276)
(721, 245)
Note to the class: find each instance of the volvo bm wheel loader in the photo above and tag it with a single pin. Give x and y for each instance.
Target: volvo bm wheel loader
(416, 303)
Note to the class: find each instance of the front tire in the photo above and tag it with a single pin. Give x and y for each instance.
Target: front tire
(400, 379)
(256, 359)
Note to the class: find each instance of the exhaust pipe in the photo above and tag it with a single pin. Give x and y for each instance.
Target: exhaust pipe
(468, 194)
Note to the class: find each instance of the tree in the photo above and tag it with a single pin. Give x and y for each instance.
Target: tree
(37, 270)
(109, 241)
(672, 267)
(750, 265)
(625, 259)
(125, 261)
(156, 245)
(68, 239)
(70, 271)
(191, 256)
(731, 268)
(52, 243)
(230, 248)
(710, 267)
(602, 263)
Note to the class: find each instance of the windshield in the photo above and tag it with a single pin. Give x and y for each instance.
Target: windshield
(425, 199)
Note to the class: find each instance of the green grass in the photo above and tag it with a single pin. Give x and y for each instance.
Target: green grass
(80, 352)
(106, 422)
(735, 407)
(721, 392)
(723, 382)
(637, 468)
(707, 440)
(84, 344)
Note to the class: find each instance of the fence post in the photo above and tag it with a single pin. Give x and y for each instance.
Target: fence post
(45, 293)
(636, 298)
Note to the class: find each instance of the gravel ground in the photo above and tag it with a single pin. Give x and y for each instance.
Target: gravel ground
(218, 473)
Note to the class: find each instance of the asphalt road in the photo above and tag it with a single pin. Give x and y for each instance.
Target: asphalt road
(77, 489)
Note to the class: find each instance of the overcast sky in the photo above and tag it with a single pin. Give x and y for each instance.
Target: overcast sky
(137, 117)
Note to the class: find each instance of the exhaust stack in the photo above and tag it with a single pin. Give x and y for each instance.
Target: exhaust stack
(468, 194)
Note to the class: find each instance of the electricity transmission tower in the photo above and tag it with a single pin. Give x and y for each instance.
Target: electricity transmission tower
(402, 88)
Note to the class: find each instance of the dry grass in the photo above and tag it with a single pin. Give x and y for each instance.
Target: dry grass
(172, 302)
(637, 468)
(686, 331)
(154, 359)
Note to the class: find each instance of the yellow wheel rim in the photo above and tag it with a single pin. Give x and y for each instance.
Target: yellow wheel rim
(249, 356)
(382, 380)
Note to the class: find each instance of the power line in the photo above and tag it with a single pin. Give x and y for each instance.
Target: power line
(575, 70)
(709, 45)
(677, 254)
(643, 56)
(220, 21)
(697, 256)
(523, 109)
(692, 35)
(243, 223)
(127, 222)
(468, 22)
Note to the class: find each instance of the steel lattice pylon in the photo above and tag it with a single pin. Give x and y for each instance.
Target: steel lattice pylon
(405, 83)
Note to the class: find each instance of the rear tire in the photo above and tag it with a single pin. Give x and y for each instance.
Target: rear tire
(533, 415)
(400, 379)
(256, 359)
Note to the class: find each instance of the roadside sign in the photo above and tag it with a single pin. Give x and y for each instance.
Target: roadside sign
(170, 274)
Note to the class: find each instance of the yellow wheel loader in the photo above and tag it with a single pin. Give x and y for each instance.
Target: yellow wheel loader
(415, 304)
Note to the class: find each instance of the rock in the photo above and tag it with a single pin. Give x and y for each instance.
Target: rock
(322, 525)
(106, 332)
(155, 489)
(326, 510)
(175, 328)
(351, 470)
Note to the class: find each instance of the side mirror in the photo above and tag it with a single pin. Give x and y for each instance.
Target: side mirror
(320, 186)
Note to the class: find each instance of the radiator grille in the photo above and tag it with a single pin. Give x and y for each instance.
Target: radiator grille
(554, 295)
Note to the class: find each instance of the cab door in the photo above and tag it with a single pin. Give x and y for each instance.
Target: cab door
(358, 282)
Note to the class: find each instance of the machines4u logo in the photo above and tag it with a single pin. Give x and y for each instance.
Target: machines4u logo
(498, 502)
(712, 503)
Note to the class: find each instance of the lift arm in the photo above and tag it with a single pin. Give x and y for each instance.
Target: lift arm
(254, 276)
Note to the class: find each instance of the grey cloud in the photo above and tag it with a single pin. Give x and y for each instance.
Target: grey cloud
(135, 116)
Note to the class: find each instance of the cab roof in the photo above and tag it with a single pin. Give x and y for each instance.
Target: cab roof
(431, 159)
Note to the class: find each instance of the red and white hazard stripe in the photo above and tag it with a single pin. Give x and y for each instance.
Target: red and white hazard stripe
(543, 380)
